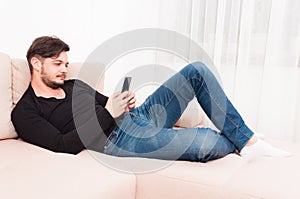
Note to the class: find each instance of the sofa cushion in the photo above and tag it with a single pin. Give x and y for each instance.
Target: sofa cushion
(231, 177)
(193, 116)
(28, 171)
(6, 127)
(21, 76)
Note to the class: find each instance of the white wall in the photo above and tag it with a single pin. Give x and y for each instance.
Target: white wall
(86, 24)
(83, 24)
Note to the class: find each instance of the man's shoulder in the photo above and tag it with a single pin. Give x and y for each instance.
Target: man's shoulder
(69, 82)
(72, 82)
(77, 83)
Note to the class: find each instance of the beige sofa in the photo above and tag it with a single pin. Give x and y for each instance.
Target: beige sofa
(31, 172)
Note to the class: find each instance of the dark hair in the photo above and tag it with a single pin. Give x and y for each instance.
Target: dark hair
(45, 47)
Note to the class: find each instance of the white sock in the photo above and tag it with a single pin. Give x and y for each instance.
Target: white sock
(262, 148)
(259, 135)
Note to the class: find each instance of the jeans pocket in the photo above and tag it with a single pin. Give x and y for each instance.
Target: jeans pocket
(111, 140)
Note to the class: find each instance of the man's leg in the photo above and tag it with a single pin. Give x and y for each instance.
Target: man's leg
(164, 107)
(166, 104)
(137, 137)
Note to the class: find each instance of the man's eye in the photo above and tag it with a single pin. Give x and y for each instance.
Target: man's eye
(67, 65)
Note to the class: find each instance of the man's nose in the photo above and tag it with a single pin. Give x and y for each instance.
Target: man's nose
(64, 69)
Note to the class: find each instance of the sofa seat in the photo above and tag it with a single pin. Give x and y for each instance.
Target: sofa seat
(28, 171)
(231, 177)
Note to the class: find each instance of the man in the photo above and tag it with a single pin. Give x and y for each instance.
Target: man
(69, 116)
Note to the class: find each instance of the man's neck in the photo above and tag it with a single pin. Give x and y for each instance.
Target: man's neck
(42, 90)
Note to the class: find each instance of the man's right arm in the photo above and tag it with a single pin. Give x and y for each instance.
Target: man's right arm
(35, 129)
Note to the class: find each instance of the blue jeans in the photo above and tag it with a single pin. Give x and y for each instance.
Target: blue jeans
(147, 131)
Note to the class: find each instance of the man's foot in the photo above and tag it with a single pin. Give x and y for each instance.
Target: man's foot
(259, 135)
(257, 148)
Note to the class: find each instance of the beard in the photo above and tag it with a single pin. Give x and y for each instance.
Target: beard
(48, 82)
(51, 84)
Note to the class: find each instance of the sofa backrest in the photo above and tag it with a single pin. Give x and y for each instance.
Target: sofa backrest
(6, 127)
(21, 76)
(15, 77)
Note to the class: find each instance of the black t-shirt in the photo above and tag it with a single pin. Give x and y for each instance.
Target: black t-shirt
(67, 125)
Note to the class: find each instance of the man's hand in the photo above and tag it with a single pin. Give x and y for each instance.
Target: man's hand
(119, 103)
(131, 101)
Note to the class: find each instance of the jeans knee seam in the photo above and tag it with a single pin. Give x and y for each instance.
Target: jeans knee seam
(230, 119)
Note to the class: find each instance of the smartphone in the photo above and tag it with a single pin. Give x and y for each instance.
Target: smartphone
(126, 84)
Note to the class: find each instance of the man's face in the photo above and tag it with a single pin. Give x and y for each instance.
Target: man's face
(54, 70)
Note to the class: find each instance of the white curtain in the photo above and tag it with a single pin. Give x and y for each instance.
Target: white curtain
(255, 45)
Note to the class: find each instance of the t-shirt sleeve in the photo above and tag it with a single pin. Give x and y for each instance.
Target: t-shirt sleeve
(101, 99)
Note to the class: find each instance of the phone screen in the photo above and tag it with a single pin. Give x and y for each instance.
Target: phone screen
(126, 84)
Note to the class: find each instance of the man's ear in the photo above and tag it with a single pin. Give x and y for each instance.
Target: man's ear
(36, 64)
